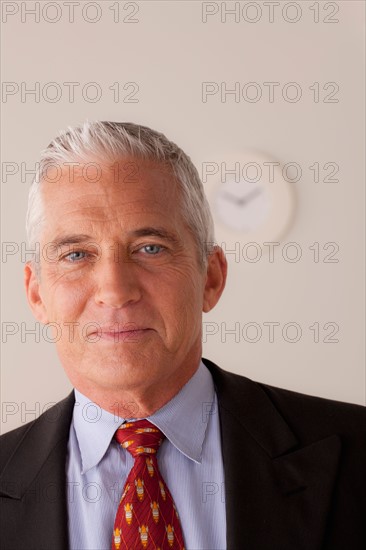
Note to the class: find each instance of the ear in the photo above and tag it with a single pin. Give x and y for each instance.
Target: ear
(215, 278)
(32, 288)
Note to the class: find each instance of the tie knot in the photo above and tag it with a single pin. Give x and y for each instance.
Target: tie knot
(140, 437)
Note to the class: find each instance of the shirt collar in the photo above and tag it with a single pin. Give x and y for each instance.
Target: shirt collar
(183, 420)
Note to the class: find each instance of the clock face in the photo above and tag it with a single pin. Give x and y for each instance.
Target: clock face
(244, 206)
(255, 207)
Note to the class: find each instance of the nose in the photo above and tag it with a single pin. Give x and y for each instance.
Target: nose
(117, 283)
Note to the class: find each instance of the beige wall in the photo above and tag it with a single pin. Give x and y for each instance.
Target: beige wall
(168, 52)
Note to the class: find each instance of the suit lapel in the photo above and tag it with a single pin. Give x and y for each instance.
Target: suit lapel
(33, 485)
(277, 493)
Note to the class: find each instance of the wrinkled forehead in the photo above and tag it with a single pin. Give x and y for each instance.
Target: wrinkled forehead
(94, 177)
(101, 191)
(92, 170)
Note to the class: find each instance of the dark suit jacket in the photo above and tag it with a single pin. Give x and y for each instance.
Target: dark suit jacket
(294, 472)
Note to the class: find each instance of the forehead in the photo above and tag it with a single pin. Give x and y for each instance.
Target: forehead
(96, 191)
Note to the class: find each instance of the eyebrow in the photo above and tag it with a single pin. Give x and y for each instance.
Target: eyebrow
(160, 232)
(76, 238)
(71, 239)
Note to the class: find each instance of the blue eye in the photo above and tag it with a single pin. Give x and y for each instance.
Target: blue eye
(152, 249)
(71, 257)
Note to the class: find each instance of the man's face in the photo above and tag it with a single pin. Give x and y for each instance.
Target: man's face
(123, 285)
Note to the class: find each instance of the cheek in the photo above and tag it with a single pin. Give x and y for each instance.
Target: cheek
(67, 301)
(181, 309)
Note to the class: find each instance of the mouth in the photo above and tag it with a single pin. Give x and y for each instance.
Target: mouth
(126, 335)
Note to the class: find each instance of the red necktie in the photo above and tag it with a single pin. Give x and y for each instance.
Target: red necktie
(147, 518)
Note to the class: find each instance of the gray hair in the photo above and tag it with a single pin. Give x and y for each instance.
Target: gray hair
(110, 141)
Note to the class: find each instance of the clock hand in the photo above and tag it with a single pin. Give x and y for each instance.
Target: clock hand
(250, 196)
(231, 197)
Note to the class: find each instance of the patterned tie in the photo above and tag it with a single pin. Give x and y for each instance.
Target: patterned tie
(147, 518)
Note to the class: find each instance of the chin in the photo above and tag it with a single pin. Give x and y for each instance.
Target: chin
(123, 370)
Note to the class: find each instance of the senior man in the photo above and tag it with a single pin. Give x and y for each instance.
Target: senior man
(157, 447)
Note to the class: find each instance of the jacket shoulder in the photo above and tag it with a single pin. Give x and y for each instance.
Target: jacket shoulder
(58, 416)
(319, 413)
(310, 417)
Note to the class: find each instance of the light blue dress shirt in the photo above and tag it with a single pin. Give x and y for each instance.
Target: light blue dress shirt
(190, 461)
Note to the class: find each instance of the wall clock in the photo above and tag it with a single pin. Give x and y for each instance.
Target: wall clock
(254, 204)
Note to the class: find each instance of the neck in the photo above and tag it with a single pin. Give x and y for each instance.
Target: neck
(137, 402)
